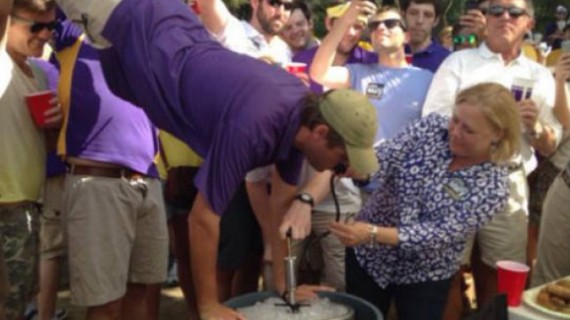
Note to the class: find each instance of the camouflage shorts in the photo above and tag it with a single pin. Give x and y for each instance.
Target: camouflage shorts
(19, 239)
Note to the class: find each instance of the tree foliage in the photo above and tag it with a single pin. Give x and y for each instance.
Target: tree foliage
(544, 10)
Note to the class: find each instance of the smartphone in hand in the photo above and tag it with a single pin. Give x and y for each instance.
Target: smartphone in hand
(470, 5)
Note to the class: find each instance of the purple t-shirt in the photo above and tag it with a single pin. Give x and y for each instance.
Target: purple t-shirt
(100, 125)
(357, 55)
(236, 112)
(430, 58)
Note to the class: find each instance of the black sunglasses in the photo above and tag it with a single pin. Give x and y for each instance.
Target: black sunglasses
(37, 27)
(514, 12)
(461, 39)
(389, 23)
(277, 3)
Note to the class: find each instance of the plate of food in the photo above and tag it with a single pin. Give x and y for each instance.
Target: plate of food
(552, 298)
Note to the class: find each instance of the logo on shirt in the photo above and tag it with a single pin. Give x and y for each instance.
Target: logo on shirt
(456, 188)
(374, 90)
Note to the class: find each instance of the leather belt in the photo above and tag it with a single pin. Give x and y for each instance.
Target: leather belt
(104, 172)
(565, 175)
(19, 204)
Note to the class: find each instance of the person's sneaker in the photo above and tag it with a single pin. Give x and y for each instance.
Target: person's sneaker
(172, 277)
(31, 313)
(60, 314)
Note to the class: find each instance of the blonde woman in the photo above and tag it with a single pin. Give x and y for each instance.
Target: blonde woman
(440, 180)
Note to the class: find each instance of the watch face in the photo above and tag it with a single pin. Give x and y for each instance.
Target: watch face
(306, 198)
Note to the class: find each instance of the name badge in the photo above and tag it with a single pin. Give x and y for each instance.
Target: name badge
(374, 90)
(456, 188)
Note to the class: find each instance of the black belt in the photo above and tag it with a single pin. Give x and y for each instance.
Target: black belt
(104, 172)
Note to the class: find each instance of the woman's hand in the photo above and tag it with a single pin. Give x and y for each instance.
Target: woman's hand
(351, 233)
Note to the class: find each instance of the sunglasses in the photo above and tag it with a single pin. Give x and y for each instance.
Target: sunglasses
(37, 27)
(389, 23)
(277, 3)
(461, 39)
(514, 12)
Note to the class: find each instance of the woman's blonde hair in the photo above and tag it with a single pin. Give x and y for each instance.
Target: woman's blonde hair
(500, 109)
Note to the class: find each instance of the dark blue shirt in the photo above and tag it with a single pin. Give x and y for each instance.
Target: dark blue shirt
(431, 57)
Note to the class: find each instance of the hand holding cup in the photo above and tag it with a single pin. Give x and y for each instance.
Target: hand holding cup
(45, 109)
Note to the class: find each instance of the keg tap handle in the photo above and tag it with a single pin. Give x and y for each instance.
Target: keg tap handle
(290, 274)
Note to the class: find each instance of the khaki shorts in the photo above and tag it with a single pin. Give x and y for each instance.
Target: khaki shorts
(116, 230)
(19, 240)
(553, 260)
(505, 236)
(52, 244)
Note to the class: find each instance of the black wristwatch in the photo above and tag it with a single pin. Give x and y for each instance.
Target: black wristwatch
(305, 198)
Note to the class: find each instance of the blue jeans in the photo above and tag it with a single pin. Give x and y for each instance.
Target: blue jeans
(424, 301)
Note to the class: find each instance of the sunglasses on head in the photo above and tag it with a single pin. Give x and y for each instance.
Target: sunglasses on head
(461, 39)
(389, 23)
(514, 12)
(277, 3)
(37, 27)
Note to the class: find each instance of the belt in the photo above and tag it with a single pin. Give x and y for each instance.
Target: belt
(104, 172)
(24, 204)
(565, 175)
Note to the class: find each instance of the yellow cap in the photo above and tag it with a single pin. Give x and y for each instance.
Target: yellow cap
(339, 10)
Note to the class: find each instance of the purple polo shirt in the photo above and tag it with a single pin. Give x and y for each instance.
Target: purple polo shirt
(431, 57)
(101, 126)
(236, 112)
(357, 55)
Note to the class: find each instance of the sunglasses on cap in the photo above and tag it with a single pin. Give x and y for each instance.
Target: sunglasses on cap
(514, 12)
(461, 39)
(277, 3)
(37, 27)
(389, 23)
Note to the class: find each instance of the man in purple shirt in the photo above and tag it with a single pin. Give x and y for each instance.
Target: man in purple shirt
(421, 17)
(348, 50)
(234, 111)
(114, 220)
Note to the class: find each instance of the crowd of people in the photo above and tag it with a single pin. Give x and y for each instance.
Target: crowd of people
(393, 160)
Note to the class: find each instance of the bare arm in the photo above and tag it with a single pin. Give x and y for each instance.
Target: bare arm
(322, 70)
(214, 15)
(204, 227)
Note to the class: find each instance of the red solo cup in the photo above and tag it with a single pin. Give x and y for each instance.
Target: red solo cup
(409, 58)
(296, 67)
(195, 7)
(511, 279)
(38, 103)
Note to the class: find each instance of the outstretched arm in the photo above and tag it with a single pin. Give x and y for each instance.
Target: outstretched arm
(322, 70)
(214, 15)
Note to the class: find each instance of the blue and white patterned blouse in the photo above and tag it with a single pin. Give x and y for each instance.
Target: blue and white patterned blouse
(433, 208)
